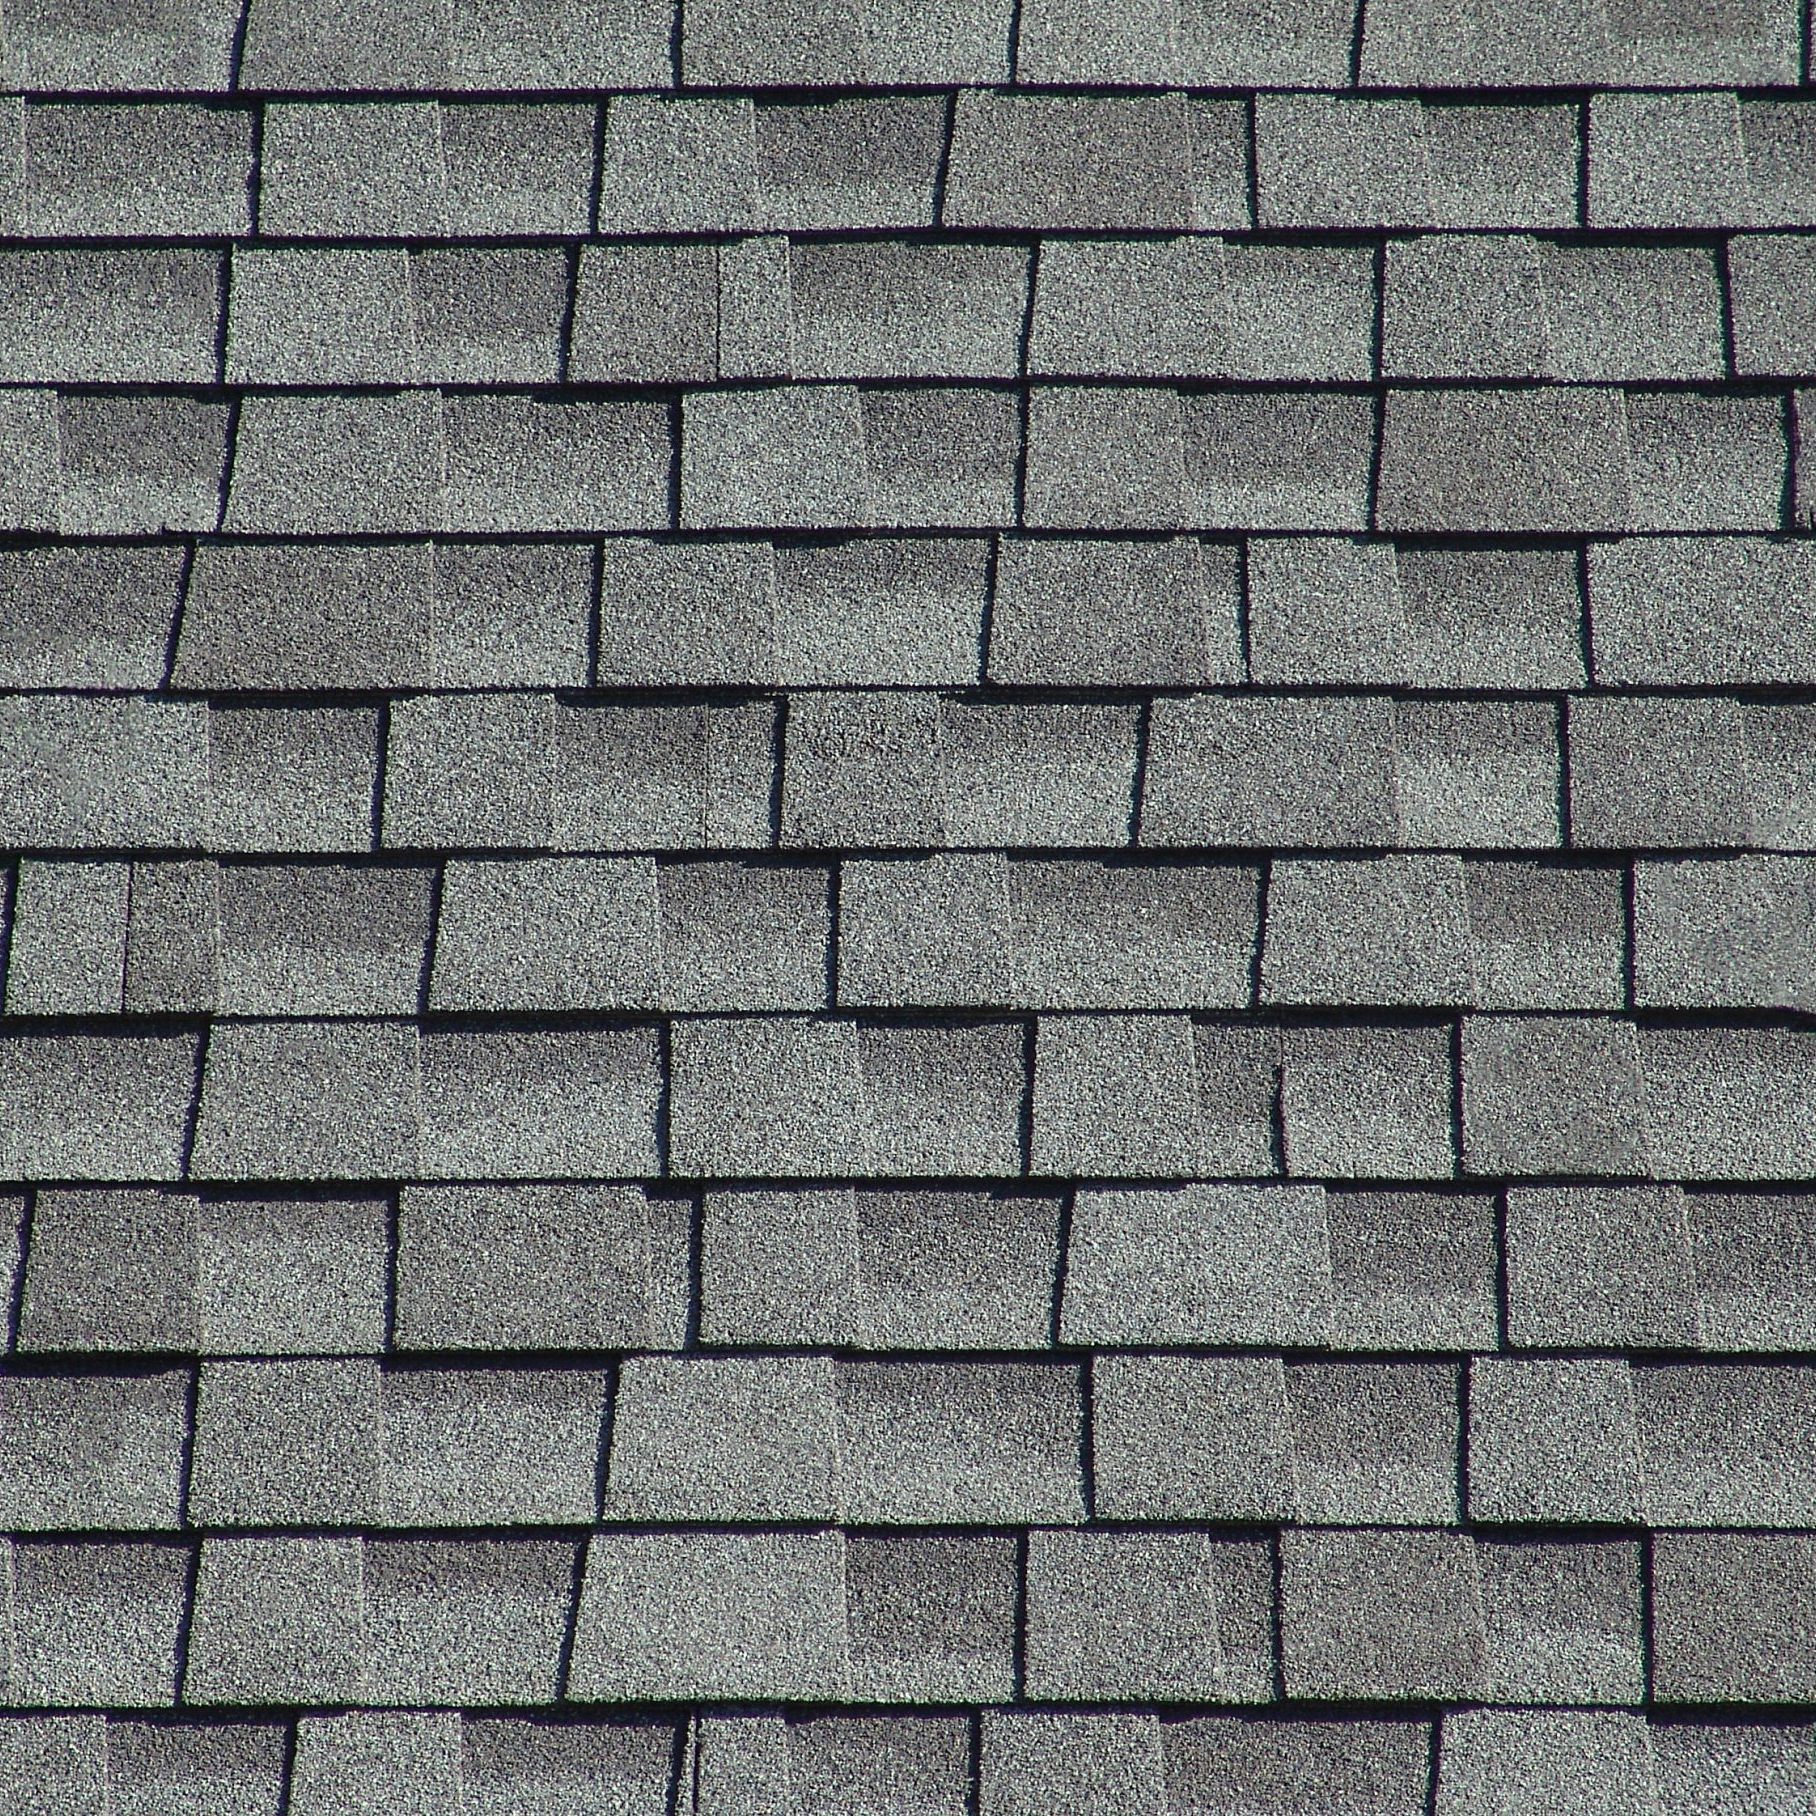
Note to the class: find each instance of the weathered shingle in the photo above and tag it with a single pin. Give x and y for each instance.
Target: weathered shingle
(101, 1106)
(1732, 1616)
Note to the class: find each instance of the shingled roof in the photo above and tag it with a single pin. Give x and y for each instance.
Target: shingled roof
(907, 908)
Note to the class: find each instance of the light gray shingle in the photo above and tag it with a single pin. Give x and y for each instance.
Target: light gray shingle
(110, 1270)
(67, 950)
(101, 1451)
(1553, 1440)
(319, 315)
(102, 1106)
(292, 778)
(116, 316)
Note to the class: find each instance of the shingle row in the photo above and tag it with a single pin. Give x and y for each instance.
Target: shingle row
(422, 168)
(534, 1267)
(1128, 1096)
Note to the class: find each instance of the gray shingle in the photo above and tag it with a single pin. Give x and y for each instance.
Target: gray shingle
(863, 766)
(743, 936)
(1730, 1771)
(157, 171)
(1751, 1270)
(725, 1438)
(277, 1619)
(322, 939)
(310, 1100)
(769, 1097)
(1730, 1103)
(366, 169)
(687, 614)
(138, 465)
(1776, 138)
(922, 1761)
(527, 1767)
(292, 1276)
(1328, 609)
(328, 43)
(1092, 613)
(679, 165)
(310, 465)
(292, 778)
(110, 1271)
(646, 314)
(472, 769)
(1117, 1096)
(931, 1618)
(756, 336)
(1375, 1442)
(1553, 1095)
(1702, 611)
(491, 1446)
(309, 315)
(1725, 1445)
(135, 317)
(1506, 461)
(1198, 1264)
(519, 168)
(1129, 1614)
(1733, 1617)
(1677, 158)
(517, 1103)
(772, 459)
(880, 611)
(1553, 1441)
(812, 44)
(780, 1267)
(1277, 460)
(288, 1444)
(853, 162)
(404, 1765)
(1544, 937)
(712, 1615)
(1388, 1615)
(1659, 771)
(488, 314)
(1238, 1084)
(55, 1765)
(30, 497)
(87, 617)
(1133, 162)
(529, 463)
(897, 309)
(961, 1443)
(1340, 161)
(1727, 932)
(275, 615)
(67, 954)
(664, 776)
(95, 1106)
(1105, 459)
(1517, 1763)
(1600, 1266)
(172, 939)
(1231, 771)
(479, 1621)
(1216, 42)
(155, 1770)
(1380, 930)
(1412, 1270)
(523, 1267)
(94, 772)
(1192, 1437)
(1707, 463)
(1492, 617)
(547, 933)
(1579, 42)
(511, 615)
(1777, 740)
(944, 1100)
(1563, 1622)
(1361, 1101)
(1090, 1765)
(1201, 309)
(96, 1623)
(1224, 1766)
(102, 1451)
(1507, 307)
(1035, 774)
(162, 46)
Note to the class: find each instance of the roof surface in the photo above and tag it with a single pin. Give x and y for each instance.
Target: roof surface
(907, 908)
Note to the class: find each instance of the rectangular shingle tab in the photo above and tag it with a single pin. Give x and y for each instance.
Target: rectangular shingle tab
(121, 315)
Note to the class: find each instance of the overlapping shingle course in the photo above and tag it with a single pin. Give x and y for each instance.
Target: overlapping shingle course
(906, 908)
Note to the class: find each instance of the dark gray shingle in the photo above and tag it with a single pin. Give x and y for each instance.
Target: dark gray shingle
(1231, 1766)
(152, 1766)
(96, 1623)
(1215, 43)
(1727, 932)
(1412, 1270)
(110, 1271)
(1374, 1442)
(523, 1267)
(302, 615)
(1699, 1765)
(1750, 1269)
(101, 1106)
(1114, 614)
(850, 161)
(100, 1451)
(292, 778)
(1367, 1101)
(519, 168)
(126, 316)
(646, 314)
(173, 939)
(1722, 1445)
(88, 618)
(1733, 1615)
(931, 1618)
(1563, 1621)
(743, 936)
(597, 1768)
(1544, 937)
(1389, 1615)
(488, 314)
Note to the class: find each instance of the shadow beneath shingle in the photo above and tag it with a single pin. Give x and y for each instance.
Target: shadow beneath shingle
(22, 1237)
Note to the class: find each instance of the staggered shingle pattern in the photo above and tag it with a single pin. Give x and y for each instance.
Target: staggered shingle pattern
(909, 908)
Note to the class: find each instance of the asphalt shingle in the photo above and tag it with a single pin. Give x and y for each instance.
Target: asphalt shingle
(117, 316)
(96, 1623)
(1094, 1765)
(931, 1617)
(1305, 44)
(104, 1106)
(849, 161)
(1374, 1442)
(1412, 1270)
(487, 314)
(1552, 1440)
(1729, 1103)
(1732, 1616)
(87, 618)
(321, 315)
(293, 778)
(1545, 937)
(1491, 1759)
(1230, 1766)
(1553, 1094)
(1362, 1101)
(67, 948)
(1563, 1621)
(110, 1270)
(98, 1451)
(1701, 1766)
(469, 769)
(1748, 1252)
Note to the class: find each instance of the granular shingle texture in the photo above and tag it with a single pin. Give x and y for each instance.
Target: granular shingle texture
(907, 908)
